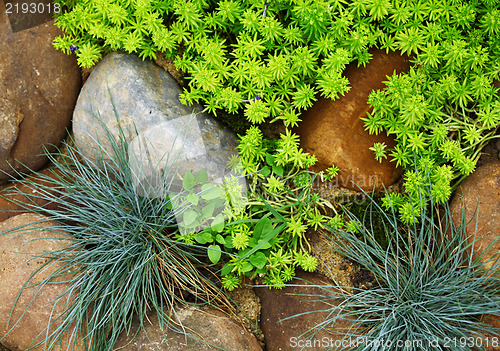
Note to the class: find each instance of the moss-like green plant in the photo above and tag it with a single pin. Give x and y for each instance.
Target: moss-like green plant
(265, 57)
(446, 108)
(430, 291)
(272, 59)
(123, 256)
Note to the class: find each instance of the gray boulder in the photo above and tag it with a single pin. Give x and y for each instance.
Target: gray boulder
(143, 99)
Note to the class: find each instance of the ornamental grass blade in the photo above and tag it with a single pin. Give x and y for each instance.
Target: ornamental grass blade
(429, 290)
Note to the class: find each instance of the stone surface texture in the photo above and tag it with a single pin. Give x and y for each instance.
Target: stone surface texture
(248, 311)
(13, 205)
(146, 99)
(205, 323)
(334, 132)
(480, 191)
(335, 266)
(39, 87)
(279, 304)
(16, 266)
(478, 196)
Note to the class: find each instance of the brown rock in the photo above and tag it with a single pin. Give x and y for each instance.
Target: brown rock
(334, 132)
(286, 334)
(10, 208)
(204, 323)
(39, 88)
(490, 343)
(479, 195)
(480, 190)
(248, 311)
(3, 348)
(16, 267)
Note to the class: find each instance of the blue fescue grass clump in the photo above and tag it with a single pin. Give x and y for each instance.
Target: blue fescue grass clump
(429, 293)
(122, 255)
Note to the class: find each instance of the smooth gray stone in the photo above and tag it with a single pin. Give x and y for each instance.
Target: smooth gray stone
(146, 97)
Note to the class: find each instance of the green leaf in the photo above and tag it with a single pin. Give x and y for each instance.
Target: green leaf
(258, 260)
(269, 159)
(214, 253)
(204, 237)
(267, 245)
(265, 240)
(220, 239)
(252, 242)
(228, 268)
(247, 267)
(265, 171)
(193, 198)
(188, 181)
(201, 176)
(219, 203)
(278, 170)
(263, 226)
(212, 193)
(218, 223)
(208, 210)
(229, 244)
(189, 217)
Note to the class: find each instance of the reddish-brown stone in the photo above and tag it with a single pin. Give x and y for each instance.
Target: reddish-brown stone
(287, 334)
(481, 192)
(39, 88)
(10, 206)
(334, 131)
(479, 198)
(491, 342)
(37, 306)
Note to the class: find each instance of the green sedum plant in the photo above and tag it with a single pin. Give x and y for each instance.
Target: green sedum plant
(273, 59)
(430, 290)
(447, 107)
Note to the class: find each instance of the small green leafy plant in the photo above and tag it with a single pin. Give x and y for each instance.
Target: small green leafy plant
(264, 232)
(271, 234)
(207, 208)
(429, 291)
(123, 256)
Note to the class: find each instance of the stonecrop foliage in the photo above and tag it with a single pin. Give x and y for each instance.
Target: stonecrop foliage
(273, 59)
(432, 286)
(447, 107)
